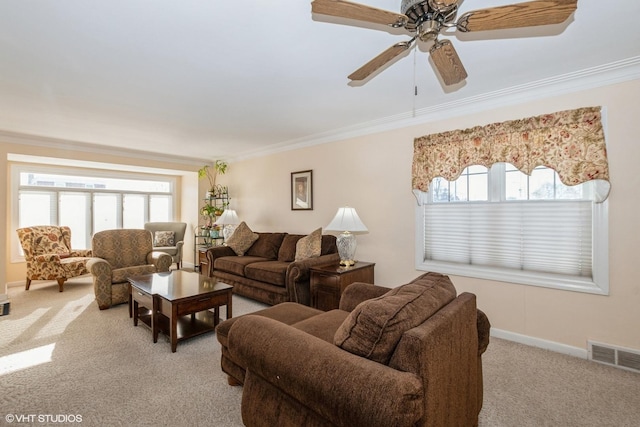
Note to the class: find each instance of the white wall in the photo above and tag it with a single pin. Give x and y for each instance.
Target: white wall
(373, 174)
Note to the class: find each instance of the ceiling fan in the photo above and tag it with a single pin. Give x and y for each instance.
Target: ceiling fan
(425, 20)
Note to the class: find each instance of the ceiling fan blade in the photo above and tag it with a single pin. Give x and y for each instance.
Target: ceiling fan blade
(448, 62)
(388, 55)
(528, 14)
(360, 12)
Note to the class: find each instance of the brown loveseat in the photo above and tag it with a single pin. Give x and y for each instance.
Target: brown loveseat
(268, 271)
(407, 356)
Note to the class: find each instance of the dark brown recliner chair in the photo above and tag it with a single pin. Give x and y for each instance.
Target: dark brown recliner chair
(407, 356)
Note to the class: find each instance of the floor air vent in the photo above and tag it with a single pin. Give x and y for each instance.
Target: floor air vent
(615, 356)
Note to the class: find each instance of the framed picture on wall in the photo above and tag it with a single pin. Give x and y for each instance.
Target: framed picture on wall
(302, 190)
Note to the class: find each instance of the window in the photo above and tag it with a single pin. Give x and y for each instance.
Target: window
(501, 224)
(87, 201)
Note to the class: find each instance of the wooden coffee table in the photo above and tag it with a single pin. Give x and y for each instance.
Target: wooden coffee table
(178, 303)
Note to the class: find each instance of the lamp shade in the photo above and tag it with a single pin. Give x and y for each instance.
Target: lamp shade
(228, 217)
(346, 219)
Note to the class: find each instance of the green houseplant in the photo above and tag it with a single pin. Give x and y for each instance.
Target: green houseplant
(211, 173)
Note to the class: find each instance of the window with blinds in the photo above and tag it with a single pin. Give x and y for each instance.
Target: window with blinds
(87, 201)
(503, 225)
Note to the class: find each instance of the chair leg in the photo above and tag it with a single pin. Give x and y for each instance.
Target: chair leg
(61, 283)
(26, 288)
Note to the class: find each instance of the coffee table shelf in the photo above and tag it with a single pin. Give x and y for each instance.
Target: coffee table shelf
(183, 304)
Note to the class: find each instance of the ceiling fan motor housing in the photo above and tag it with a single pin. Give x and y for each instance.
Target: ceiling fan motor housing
(419, 11)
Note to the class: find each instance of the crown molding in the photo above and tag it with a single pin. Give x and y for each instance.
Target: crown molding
(62, 144)
(590, 78)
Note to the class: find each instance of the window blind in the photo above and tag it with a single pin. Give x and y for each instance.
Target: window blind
(540, 236)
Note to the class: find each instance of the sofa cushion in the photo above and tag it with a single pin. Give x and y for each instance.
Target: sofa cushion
(287, 250)
(164, 238)
(235, 264)
(309, 246)
(272, 272)
(375, 326)
(285, 312)
(324, 325)
(267, 245)
(242, 239)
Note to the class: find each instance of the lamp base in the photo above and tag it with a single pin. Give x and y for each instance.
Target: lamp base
(346, 243)
(227, 231)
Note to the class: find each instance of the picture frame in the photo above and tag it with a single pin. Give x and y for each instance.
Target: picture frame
(302, 190)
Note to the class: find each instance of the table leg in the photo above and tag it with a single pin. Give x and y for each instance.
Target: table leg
(229, 304)
(130, 299)
(155, 327)
(135, 312)
(174, 327)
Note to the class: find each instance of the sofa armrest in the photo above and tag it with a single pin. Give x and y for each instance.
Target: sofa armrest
(99, 266)
(102, 273)
(343, 388)
(484, 331)
(358, 292)
(297, 276)
(161, 260)
(81, 253)
(218, 252)
(48, 258)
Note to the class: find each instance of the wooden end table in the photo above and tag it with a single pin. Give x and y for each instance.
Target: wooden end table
(327, 282)
(178, 303)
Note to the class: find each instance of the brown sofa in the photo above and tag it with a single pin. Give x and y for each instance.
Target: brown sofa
(268, 272)
(407, 356)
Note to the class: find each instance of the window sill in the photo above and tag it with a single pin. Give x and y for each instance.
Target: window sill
(598, 286)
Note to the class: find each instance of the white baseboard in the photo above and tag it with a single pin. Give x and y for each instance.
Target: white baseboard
(14, 284)
(582, 353)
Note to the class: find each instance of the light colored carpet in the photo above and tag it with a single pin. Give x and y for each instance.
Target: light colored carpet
(60, 355)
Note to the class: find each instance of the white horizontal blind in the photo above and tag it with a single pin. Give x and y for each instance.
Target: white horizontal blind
(541, 236)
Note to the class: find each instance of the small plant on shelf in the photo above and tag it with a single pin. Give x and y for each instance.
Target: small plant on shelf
(211, 173)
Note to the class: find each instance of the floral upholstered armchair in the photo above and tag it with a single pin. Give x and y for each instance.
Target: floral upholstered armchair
(118, 255)
(48, 253)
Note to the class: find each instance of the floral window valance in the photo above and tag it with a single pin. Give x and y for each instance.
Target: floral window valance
(570, 142)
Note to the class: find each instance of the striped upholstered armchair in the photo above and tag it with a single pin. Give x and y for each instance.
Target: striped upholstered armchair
(118, 255)
(48, 253)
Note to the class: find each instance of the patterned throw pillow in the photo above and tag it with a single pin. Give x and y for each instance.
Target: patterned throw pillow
(309, 246)
(242, 239)
(164, 238)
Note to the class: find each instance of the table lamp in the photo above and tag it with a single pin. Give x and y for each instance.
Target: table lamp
(228, 220)
(347, 222)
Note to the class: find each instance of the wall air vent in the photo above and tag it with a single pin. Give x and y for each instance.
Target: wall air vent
(619, 357)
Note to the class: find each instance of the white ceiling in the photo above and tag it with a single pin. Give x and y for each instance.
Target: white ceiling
(232, 79)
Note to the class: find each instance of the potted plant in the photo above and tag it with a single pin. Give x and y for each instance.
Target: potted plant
(219, 167)
(208, 213)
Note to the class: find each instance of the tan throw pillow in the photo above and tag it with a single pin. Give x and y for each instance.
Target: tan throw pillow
(164, 238)
(242, 239)
(374, 328)
(309, 246)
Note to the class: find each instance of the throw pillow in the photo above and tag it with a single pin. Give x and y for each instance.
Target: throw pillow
(309, 246)
(164, 238)
(374, 328)
(242, 239)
